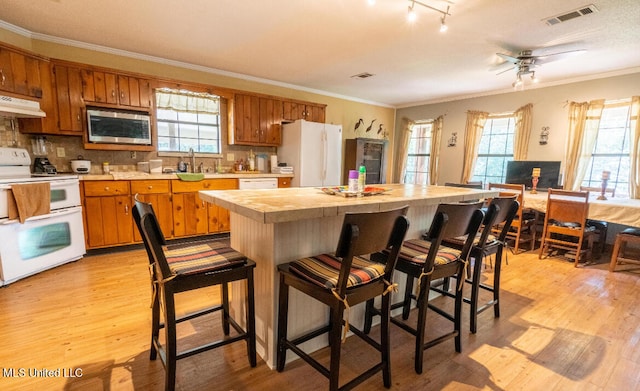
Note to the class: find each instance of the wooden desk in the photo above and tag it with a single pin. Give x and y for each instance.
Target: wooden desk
(275, 226)
(623, 211)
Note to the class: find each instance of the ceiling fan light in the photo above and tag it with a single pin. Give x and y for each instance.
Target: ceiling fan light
(411, 15)
(534, 79)
(443, 26)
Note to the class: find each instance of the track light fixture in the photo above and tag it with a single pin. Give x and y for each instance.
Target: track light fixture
(411, 15)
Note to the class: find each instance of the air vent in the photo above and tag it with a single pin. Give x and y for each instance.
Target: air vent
(362, 75)
(582, 11)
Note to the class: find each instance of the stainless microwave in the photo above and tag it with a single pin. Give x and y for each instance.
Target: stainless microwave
(118, 126)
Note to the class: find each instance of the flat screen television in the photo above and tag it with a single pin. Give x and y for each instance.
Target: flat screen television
(519, 172)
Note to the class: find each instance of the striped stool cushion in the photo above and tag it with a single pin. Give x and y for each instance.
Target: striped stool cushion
(324, 270)
(459, 241)
(200, 257)
(416, 251)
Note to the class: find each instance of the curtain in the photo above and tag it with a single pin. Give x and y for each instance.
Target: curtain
(634, 148)
(522, 132)
(472, 136)
(436, 134)
(186, 101)
(403, 149)
(584, 121)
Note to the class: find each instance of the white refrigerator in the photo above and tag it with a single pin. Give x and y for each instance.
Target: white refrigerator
(314, 150)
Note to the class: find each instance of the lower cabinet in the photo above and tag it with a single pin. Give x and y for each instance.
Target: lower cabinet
(107, 212)
(158, 194)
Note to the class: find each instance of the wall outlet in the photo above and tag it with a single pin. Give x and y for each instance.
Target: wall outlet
(231, 157)
(60, 152)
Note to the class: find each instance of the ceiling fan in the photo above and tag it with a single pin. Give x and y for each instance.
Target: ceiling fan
(525, 61)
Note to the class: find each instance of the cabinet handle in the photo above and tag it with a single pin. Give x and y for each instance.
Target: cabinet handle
(126, 209)
(3, 77)
(121, 94)
(106, 188)
(113, 93)
(150, 187)
(78, 117)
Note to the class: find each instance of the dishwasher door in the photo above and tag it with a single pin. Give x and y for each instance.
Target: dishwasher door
(257, 183)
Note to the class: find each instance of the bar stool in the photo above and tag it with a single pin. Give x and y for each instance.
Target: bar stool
(629, 235)
(341, 280)
(184, 267)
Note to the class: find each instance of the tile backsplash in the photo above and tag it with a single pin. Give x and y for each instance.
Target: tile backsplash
(72, 147)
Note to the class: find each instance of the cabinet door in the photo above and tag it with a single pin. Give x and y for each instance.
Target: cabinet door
(292, 111)
(34, 81)
(109, 221)
(88, 85)
(246, 118)
(270, 117)
(99, 87)
(69, 93)
(189, 215)
(124, 93)
(111, 88)
(315, 113)
(219, 219)
(144, 92)
(162, 207)
(48, 124)
(6, 74)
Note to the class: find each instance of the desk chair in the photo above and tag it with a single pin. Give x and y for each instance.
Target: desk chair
(600, 226)
(618, 256)
(523, 222)
(427, 260)
(185, 267)
(342, 280)
(565, 224)
(500, 213)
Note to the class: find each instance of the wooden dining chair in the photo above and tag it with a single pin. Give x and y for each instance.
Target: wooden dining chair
(500, 213)
(623, 238)
(341, 280)
(469, 185)
(565, 225)
(427, 260)
(601, 226)
(185, 267)
(523, 228)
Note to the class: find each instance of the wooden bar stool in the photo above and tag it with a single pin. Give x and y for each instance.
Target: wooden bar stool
(629, 235)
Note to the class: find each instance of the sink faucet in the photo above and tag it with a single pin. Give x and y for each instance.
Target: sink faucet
(193, 160)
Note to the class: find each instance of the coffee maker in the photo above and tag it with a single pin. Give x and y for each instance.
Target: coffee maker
(41, 164)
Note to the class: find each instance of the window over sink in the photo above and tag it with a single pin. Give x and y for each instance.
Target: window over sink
(188, 120)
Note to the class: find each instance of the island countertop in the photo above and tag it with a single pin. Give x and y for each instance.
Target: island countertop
(299, 203)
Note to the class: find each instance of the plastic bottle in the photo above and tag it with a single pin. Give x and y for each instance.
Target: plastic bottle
(105, 168)
(362, 173)
(353, 181)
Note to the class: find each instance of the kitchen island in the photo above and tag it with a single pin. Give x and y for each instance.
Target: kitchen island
(276, 226)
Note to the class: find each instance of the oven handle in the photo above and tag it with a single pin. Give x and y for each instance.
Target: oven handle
(57, 183)
(63, 212)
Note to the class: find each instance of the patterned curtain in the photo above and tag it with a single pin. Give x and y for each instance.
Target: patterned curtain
(522, 132)
(186, 101)
(472, 136)
(403, 150)
(436, 134)
(584, 121)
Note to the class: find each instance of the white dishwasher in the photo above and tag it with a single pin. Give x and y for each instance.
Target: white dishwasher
(257, 183)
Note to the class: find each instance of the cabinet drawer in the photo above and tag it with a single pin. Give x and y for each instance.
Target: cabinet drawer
(284, 182)
(105, 188)
(207, 184)
(150, 187)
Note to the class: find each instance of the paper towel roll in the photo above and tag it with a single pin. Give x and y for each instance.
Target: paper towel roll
(274, 160)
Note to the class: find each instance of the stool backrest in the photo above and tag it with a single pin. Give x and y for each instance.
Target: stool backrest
(506, 208)
(152, 237)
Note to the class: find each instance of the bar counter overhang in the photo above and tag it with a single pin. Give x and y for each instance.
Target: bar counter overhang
(274, 226)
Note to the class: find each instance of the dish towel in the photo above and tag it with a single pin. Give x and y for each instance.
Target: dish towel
(29, 199)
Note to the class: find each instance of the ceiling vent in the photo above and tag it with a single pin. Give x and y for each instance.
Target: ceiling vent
(362, 75)
(582, 11)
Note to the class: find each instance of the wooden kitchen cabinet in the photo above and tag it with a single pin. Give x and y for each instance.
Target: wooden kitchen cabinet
(115, 89)
(157, 192)
(292, 111)
(68, 82)
(372, 153)
(193, 216)
(48, 104)
(257, 121)
(107, 211)
(20, 73)
(284, 182)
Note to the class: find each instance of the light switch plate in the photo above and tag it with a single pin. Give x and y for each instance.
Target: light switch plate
(60, 152)
(230, 157)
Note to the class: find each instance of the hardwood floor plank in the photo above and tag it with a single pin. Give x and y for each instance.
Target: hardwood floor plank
(562, 328)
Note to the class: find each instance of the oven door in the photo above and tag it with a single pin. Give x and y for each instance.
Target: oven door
(41, 243)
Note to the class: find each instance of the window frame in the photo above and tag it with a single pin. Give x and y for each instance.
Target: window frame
(423, 154)
(505, 157)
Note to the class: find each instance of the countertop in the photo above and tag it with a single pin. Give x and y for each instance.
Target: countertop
(299, 203)
(135, 175)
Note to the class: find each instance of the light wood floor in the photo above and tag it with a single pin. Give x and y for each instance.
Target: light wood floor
(562, 328)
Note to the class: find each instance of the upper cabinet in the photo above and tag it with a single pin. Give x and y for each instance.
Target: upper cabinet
(20, 73)
(115, 89)
(292, 111)
(68, 83)
(257, 121)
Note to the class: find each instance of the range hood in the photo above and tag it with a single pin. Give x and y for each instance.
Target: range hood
(20, 108)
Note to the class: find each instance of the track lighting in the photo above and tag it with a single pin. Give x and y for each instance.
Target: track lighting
(411, 15)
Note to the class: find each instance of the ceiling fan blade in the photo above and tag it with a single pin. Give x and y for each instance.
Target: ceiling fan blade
(506, 70)
(508, 57)
(556, 56)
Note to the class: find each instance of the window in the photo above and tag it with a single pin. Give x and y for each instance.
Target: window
(419, 154)
(611, 150)
(495, 150)
(188, 120)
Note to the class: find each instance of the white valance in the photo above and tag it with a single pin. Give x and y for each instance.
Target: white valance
(187, 101)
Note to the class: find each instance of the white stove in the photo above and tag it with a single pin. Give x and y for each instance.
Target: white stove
(42, 241)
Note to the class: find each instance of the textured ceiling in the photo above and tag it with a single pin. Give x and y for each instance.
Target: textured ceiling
(319, 44)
